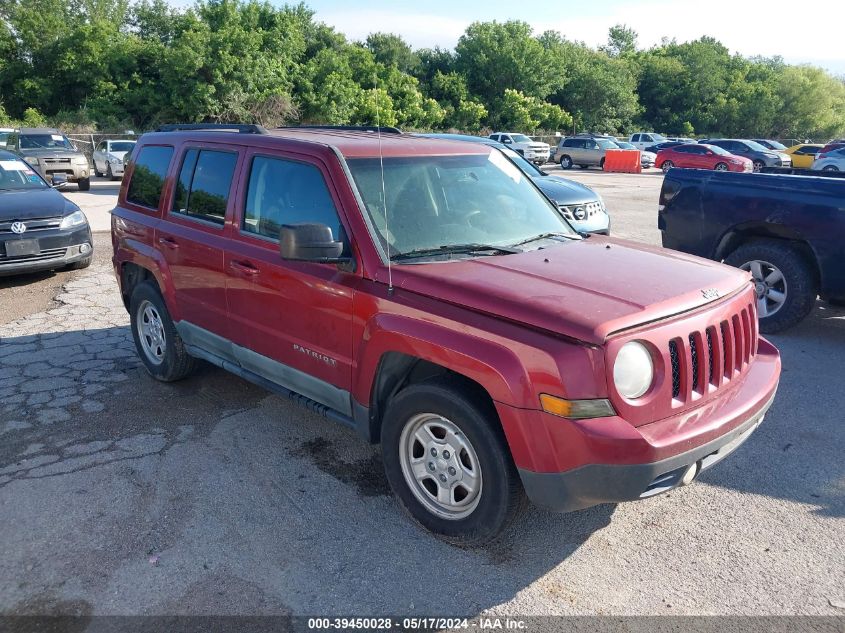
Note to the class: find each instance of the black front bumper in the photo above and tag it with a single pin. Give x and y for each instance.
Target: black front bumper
(595, 484)
(57, 249)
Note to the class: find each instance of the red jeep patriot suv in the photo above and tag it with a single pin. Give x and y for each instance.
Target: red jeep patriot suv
(428, 295)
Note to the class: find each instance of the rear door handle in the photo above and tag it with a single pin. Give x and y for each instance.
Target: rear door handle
(243, 267)
(168, 242)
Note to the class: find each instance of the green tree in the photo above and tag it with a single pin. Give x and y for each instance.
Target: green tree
(621, 40)
(391, 50)
(494, 57)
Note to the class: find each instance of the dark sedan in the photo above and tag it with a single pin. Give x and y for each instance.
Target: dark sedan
(580, 205)
(40, 229)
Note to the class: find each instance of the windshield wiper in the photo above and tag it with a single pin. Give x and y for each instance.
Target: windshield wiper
(543, 236)
(455, 249)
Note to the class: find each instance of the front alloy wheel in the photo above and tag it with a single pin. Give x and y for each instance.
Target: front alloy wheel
(667, 165)
(769, 286)
(447, 461)
(440, 466)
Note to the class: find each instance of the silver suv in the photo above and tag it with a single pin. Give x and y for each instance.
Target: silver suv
(51, 154)
(583, 151)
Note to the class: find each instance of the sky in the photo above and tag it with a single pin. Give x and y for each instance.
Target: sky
(801, 31)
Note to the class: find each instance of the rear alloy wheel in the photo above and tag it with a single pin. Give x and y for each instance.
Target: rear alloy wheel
(784, 283)
(758, 165)
(447, 461)
(565, 162)
(159, 345)
(667, 165)
(831, 168)
(721, 167)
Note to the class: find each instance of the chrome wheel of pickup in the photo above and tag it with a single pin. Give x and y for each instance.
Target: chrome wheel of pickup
(440, 466)
(769, 286)
(151, 333)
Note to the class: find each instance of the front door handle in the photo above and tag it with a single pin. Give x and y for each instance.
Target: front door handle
(168, 242)
(243, 267)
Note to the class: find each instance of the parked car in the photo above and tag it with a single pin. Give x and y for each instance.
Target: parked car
(659, 146)
(108, 157)
(831, 161)
(803, 154)
(40, 229)
(535, 151)
(642, 140)
(51, 153)
(580, 205)
(827, 149)
(583, 151)
(4, 136)
(759, 155)
(698, 156)
(776, 227)
(646, 158)
(424, 293)
(770, 144)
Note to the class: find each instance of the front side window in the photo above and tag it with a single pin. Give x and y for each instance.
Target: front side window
(205, 179)
(436, 202)
(148, 176)
(287, 192)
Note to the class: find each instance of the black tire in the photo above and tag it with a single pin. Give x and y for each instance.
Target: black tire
(501, 496)
(801, 283)
(84, 184)
(565, 162)
(97, 172)
(109, 173)
(601, 164)
(82, 263)
(758, 165)
(831, 168)
(176, 363)
(667, 165)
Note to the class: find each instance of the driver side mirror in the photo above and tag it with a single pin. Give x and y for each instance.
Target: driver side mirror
(311, 242)
(58, 180)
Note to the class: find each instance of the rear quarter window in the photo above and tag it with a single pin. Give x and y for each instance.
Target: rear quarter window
(147, 181)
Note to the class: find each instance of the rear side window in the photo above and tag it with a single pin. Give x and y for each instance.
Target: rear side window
(148, 176)
(202, 190)
(286, 192)
(635, 138)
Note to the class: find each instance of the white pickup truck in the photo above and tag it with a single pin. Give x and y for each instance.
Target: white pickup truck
(535, 151)
(641, 140)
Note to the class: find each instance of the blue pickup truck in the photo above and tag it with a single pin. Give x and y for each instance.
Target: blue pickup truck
(788, 231)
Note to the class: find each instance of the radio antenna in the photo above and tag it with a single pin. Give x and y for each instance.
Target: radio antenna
(383, 189)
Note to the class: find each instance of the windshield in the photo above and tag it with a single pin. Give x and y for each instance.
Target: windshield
(756, 146)
(121, 146)
(528, 168)
(775, 145)
(718, 150)
(45, 141)
(436, 202)
(625, 145)
(657, 138)
(521, 138)
(606, 144)
(16, 174)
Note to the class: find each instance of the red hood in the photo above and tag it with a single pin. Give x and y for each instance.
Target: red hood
(585, 290)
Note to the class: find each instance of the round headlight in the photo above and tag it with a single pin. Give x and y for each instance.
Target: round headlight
(633, 371)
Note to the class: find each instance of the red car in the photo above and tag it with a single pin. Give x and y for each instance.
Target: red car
(425, 293)
(700, 156)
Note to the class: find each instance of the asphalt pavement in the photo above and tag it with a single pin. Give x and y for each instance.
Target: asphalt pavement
(122, 495)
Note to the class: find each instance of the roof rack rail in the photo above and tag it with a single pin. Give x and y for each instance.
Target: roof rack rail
(240, 128)
(384, 129)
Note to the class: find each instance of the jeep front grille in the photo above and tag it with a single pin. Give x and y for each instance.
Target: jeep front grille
(731, 346)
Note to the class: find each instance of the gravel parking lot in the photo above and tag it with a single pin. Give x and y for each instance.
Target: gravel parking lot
(121, 495)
